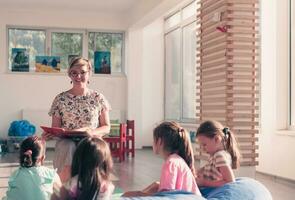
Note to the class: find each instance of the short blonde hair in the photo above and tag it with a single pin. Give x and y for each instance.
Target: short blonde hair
(79, 61)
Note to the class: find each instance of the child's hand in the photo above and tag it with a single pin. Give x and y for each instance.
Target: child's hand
(152, 188)
(200, 181)
(46, 136)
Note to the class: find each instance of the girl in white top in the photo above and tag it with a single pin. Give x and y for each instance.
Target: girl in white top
(219, 142)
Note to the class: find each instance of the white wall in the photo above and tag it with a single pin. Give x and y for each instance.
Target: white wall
(146, 71)
(36, 91)
(276, 148)
(153, 78)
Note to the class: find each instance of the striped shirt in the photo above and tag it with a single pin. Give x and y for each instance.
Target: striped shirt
(210, 171)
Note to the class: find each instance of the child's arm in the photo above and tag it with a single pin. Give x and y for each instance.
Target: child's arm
(152, 188)
(227, 177)
(148, 191)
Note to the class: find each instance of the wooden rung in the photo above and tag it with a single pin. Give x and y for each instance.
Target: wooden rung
(209, 37)
(243, 9)
(211, 114)
(242, 47)
(213, 43)
(212, 85)
(242, 115)
(252, 147)
(212, 107)
(241, 31)
(200, 55)
(213, 92)
(250, 62)
(210, 25)
(242, 69)
(243, 92)
(242, 131)
(246, 108)
(242, 100)
(214, 50)
(242, 24)
(249, 155)
(239, 16)
(248, 139)
(214, 64)
(203, 42)
(206, 85)
(241, 123)
(243, 39)
(213, 78)
(243, 1)
(208, 72)
(242, 77)
(218, 99)
(208, 62)
(212, 7)
(238, 54)
(213, 57)
(202, 14)
(249, 163)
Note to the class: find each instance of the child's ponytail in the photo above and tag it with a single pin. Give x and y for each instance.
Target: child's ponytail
(31, 149)
(186, 151)
(27, 162)
(176, 140)
(232, 147)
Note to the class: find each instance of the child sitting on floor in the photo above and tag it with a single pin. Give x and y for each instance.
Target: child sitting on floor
(219, 142)
(90, 173)
(172, 143)
(32, 180)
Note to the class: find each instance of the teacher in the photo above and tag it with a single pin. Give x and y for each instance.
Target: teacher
(79, 109)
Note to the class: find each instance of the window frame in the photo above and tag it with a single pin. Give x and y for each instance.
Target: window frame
(183, 23)
(291, 77)
(49, 30)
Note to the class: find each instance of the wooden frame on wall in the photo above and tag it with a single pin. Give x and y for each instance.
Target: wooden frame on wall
(228, 67)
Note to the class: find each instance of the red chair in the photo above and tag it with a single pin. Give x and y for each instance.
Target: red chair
(130, 138)
(117, 143)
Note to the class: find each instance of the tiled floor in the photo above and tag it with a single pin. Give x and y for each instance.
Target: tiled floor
(135, 174)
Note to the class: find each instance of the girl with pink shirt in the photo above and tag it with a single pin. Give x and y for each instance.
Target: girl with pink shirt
(173, 144)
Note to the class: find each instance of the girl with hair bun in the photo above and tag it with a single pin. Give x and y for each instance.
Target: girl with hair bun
(32, 180)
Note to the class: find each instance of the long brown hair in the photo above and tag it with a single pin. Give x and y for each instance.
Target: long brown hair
(176, 140)
(92, 163)
(212, 129)
(31, 149)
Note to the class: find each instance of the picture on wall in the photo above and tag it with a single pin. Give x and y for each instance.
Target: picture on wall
(47, 64)
(20, 60)
(102, 62)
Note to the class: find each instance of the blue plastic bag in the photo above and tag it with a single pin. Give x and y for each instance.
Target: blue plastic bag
(21, 128)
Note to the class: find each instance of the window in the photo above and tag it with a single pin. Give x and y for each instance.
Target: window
(180, 64)
(64, 44)
(112, 42)
(292, 68)
(33, 40)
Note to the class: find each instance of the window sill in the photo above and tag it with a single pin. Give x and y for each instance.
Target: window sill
(63, 73)
(286, 132)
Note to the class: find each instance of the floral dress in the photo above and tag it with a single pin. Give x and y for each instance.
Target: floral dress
(75, 112)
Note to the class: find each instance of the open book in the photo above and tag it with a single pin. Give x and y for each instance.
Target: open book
(62, 133)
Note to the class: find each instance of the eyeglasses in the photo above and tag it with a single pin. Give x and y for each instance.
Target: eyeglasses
(76, 74)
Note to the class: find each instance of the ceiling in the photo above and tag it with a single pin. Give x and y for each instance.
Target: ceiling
(104, 6)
